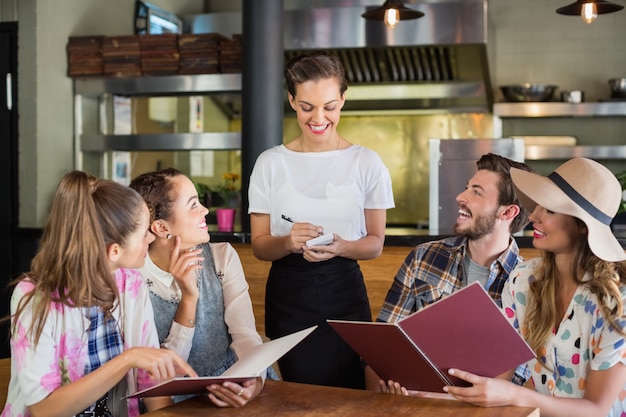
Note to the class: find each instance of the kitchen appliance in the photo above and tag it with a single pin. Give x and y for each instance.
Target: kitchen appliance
(152, 20)
(618, 87)
(528, 92)
(435, 64)
(573, 96)
(452, 164)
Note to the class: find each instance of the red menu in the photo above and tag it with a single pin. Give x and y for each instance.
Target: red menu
(465, 330)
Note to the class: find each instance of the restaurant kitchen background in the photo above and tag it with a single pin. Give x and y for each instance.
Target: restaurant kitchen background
(448, 94)
(526, 42)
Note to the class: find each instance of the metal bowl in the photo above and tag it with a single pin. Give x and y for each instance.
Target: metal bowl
(618, 87)
(528, 92)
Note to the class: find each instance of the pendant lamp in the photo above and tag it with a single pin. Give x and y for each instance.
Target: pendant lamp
(392, 12)
(589, 10)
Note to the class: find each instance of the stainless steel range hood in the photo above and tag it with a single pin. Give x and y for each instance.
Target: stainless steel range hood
(434, 64)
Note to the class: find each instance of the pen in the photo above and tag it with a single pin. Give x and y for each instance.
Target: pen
(290, 220)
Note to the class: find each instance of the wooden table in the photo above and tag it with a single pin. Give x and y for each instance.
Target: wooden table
(291, 399)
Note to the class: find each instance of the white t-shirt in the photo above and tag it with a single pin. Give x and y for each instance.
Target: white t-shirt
(329, 189)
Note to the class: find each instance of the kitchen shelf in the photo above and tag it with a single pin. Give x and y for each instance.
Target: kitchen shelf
(535, 153)
(161, 142)
(90, 96)
(559, 109)
(161, 85)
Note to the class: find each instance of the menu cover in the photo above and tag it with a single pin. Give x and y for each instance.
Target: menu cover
(252, 363)
(465, 330)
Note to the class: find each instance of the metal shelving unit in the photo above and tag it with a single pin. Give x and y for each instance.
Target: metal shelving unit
(159, 86)
(505, 111)
(162, 142)
(89, 104)
(602, 152)
(559, 109)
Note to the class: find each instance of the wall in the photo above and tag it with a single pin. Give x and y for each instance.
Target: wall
(534, 44)
(529, 42)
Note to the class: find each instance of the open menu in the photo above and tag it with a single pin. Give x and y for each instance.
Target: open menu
(465, 330)
(251, 365)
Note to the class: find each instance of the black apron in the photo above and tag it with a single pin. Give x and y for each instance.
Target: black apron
(300, 294)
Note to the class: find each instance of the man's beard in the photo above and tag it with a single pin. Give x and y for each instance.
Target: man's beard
(482, 225)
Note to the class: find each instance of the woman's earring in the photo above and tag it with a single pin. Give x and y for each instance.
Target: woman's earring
(169, 236)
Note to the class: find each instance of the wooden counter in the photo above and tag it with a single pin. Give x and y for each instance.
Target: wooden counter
(378, 274)
(290, 399)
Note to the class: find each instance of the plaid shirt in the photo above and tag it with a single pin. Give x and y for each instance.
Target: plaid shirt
(434, 269)
(104, 343)
(104, 339)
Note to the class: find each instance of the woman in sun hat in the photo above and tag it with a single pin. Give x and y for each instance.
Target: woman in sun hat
(569, 303)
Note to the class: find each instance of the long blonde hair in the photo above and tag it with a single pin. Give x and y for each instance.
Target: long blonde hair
(71, 266)
(607, 280)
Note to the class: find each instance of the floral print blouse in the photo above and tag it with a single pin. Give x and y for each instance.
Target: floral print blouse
(584, 340)
(61, 354)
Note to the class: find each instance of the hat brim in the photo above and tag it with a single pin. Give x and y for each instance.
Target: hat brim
(533, 189)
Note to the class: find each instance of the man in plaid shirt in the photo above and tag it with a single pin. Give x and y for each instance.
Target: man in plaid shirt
(483, 250)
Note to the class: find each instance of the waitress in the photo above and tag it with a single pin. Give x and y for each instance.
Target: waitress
(318, 184)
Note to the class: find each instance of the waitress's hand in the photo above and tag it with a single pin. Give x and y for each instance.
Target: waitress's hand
(185, 266)
(231, 394)
(321, 253)
(300, 233)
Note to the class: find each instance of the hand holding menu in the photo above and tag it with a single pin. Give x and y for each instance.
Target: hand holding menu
(465, 330)
(251, 365)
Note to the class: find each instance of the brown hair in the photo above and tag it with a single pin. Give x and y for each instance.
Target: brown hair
(71, 266)
(507, 196)
(606, 280)
(318, 65)
(157, 189)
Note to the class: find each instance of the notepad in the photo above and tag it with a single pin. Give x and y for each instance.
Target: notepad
(465, 330)
(251, 365)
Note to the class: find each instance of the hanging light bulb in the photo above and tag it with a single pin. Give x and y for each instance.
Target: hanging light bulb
(391, 13)
(391, 17)
(589, 12)
(589, 9)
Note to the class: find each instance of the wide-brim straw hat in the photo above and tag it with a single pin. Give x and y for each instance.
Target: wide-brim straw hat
(581, 188)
